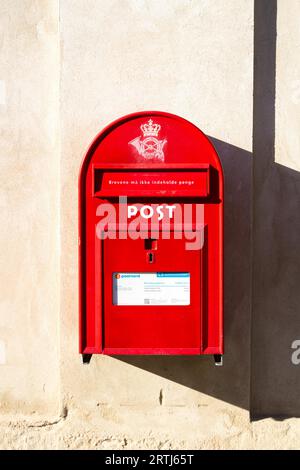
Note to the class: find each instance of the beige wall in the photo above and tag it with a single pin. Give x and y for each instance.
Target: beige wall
(29, 200)
(68, 68)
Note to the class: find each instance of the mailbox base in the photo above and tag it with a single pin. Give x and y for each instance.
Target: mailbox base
(218, 358)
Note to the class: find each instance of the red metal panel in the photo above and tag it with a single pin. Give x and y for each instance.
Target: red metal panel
(144, 146)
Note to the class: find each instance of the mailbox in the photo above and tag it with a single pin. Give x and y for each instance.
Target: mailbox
(151, 240)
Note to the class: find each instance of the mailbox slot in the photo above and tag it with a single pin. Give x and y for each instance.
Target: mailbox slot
(157, 182)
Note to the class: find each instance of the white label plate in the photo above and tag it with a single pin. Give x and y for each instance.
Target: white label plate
(151, 288)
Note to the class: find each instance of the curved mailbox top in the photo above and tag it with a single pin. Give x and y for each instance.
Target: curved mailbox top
(168, 146)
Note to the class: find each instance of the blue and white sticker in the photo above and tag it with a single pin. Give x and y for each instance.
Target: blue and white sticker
(163, 288)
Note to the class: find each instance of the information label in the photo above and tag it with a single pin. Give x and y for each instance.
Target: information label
(151, 288)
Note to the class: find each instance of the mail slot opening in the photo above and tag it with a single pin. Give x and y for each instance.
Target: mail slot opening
(156, 182)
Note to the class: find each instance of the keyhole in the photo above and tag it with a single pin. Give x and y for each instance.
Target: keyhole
(150, 257)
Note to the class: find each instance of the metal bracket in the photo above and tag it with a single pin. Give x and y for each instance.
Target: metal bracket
(218, 358)
(86, 358)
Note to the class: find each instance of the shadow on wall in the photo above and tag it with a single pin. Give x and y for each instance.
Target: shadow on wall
(230, 382)
(275, 214)
(275, 381)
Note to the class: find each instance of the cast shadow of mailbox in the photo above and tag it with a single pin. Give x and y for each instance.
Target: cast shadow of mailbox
(275, 381)
(257, 345)
(230, 382)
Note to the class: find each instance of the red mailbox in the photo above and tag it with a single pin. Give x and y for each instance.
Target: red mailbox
(151, 240)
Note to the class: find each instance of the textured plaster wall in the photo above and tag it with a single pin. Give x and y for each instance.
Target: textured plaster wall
(29, 201)
(68, 68)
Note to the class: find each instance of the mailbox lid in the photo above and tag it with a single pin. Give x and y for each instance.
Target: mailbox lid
(170, 139)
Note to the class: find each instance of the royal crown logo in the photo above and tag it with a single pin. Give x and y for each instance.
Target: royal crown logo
(150, 129)
(149, 146)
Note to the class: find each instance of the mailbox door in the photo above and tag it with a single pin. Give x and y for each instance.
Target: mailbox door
(152, 297)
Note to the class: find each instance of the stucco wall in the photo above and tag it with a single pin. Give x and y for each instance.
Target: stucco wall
(30, 243)
(70, 67)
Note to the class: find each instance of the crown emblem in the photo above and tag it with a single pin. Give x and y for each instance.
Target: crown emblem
(148, 145)
(150, 129)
